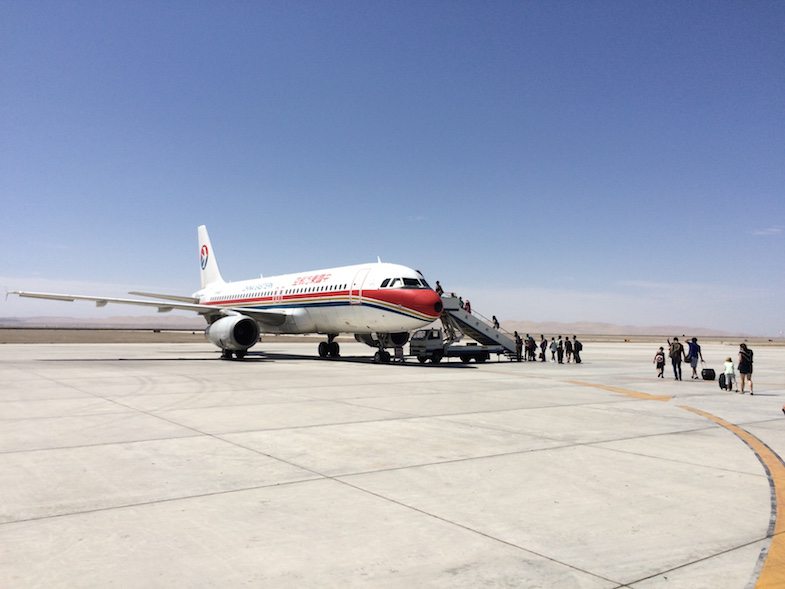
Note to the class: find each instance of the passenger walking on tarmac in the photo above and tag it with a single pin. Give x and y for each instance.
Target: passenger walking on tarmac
(543, 347)
(532, 346)
(560, 350)
(495, 322)
(577, 348)
(439, 289)
(745, 366)
(676, 352)
(730, 374)
(659, 360)
(467, 306)
(554, 347)
(693, 354)
(518, 346)
(568, 349)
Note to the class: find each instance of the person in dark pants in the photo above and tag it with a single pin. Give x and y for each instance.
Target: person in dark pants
(543, 348)
(568, 348)
(577, 347)
(676, 353)
(560, 350)
(518, 346)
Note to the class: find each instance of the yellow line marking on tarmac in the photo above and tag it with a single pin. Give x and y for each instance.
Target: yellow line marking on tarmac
(621, 391)
(772, 574)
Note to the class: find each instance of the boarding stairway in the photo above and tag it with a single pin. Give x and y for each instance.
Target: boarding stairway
(458, 323)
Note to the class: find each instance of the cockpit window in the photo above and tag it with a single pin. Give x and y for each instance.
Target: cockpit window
(425, 284)
(404, 283)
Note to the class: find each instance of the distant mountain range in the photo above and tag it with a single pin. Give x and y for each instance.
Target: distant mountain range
(129, 322)
(549, 328)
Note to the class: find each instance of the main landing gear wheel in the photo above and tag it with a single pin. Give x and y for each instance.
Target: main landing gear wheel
(226, 354)
(381, 357)
(240, 354)
(329, 350)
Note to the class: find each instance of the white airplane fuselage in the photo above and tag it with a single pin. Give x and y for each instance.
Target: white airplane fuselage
(363, 298)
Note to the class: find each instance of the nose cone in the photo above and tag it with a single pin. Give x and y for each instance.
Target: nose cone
(425, 302)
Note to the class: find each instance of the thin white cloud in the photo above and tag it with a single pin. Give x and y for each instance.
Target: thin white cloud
(768, 231)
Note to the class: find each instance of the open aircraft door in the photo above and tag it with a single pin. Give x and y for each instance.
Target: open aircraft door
(356, 287)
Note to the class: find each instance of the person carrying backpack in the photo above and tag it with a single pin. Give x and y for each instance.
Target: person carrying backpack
(659, 360)
(676, 354)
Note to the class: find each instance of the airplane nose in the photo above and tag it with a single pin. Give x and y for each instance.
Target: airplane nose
(426, 302)
(429, 303)
(438, 306)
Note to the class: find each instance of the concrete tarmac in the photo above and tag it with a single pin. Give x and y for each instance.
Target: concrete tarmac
(159, 465)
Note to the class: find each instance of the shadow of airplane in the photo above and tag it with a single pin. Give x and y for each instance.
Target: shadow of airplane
(261, 357)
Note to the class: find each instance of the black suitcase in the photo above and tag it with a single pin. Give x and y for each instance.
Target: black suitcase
(708, 374)
(722, 381)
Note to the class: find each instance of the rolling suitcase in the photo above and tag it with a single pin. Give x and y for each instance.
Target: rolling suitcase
(708, 374)
(722, 381)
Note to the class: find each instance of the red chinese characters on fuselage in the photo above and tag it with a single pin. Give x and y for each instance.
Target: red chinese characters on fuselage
(312, 279)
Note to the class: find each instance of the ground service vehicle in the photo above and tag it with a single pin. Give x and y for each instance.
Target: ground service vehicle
(431, 344)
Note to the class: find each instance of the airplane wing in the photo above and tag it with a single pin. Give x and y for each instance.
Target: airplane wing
(273, 318)
(166, 297)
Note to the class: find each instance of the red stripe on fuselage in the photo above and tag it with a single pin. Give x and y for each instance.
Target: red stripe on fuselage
(420, 300)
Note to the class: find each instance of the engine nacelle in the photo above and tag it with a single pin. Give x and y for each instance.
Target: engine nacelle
(235, 332)
(388, 340)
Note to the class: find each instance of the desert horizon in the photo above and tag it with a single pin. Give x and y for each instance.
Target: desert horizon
(65, 329)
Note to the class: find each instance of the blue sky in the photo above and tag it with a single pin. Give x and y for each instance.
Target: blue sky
(552, 161)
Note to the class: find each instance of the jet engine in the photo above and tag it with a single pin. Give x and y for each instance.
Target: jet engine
(386, 340)
(235, 332)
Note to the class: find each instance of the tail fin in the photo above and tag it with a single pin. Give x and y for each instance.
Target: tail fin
(209, 265)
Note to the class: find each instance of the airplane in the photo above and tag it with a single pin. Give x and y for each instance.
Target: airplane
(380, 303)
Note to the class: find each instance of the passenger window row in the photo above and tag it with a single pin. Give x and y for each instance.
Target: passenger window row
(289, 291)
